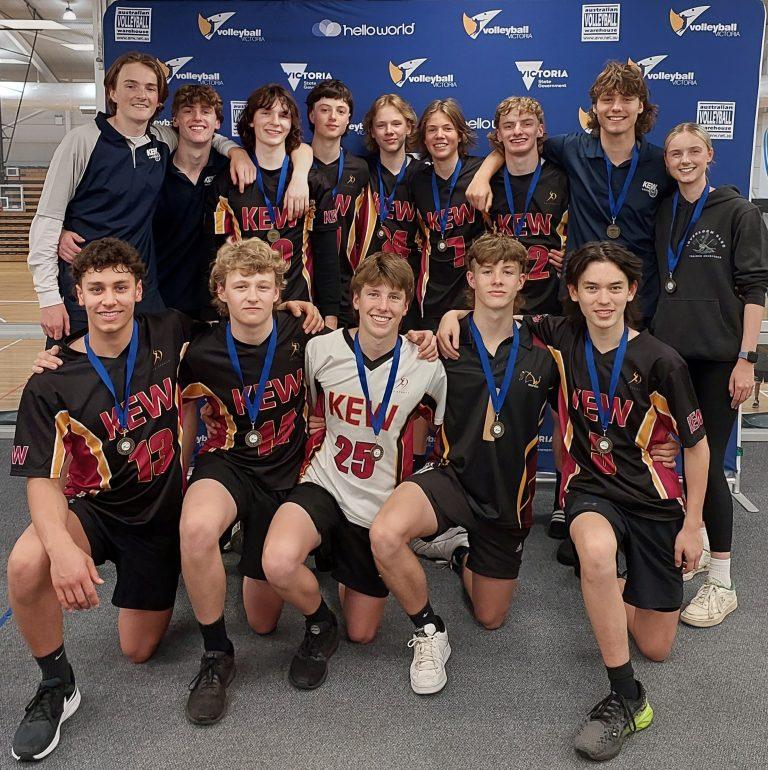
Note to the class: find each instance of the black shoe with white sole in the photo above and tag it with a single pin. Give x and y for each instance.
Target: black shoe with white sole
(38, 734)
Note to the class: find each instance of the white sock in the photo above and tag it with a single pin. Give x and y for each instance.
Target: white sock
(720, 570)
(704, 538)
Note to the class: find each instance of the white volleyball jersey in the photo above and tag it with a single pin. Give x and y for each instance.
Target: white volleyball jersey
(340, 458)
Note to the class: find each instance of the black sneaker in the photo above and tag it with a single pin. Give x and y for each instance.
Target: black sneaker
(557, 528)
(309, 667)
(603, 732)
(566, 553)
(38, 734)
(207, 702)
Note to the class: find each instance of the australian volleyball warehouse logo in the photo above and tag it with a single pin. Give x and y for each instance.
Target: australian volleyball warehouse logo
(176, 69)
(651, 71)
(600, 22)
(217, 26)
(683, 21)
(480, 24)
(328, 28)
(406, 72)
(236, 107)
(534, 73)
(297, 72)
(133, 24)
(717, 117)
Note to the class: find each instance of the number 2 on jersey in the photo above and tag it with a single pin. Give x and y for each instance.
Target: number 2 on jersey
(538, 259)
(361, 463)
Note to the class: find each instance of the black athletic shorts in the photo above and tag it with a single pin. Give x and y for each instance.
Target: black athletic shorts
(648, 545)
(256, 505)
(147, 556)
(495, 551)
(347, 545)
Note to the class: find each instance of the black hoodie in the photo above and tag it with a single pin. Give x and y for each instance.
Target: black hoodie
(724, 265)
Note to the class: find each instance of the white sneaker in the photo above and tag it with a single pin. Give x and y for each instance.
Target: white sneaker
(431, 650)
(443, 546)
(703, 566)
(712, 603)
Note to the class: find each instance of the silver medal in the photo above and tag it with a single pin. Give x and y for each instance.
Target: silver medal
(497, 429)
(252, 438)
(604, 445)
(377, 452)
(442, 245)
(125, 445)
(670, 285)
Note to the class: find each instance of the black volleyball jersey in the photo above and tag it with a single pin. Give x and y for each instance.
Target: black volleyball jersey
(654, 397)
(441, 284)
(207, 372)
(544, 229)
(349, 200)
(313, 272)
(498, 475)
(70, 411)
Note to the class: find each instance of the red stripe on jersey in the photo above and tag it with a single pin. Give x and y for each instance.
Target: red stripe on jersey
(84, 474)
(314, 440)
(667, 477)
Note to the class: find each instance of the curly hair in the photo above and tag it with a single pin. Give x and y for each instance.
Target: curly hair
(403, 107)
(452, 110)
(627, 80)
(108, 252)
(523, 104)
(198, 93)
(262, 98)
(136, 57)
(248, 257)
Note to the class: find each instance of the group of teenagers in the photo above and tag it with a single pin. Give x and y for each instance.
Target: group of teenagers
(298, 296)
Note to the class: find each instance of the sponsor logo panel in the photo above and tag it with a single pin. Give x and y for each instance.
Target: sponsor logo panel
(600, 22)
(236, 107)
(329, 28)
(688, 20)
(406, 72)
(717, 117)
(217, 25)
(480, 24)
(297, 72)
(133, 24)
(535, 73)
(648, 66)
(175, 69)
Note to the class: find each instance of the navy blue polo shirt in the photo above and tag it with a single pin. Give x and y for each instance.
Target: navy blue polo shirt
(182, 257)
(581, 155)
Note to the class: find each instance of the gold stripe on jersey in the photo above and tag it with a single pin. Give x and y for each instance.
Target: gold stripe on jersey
(61, 423)
(562, 228)
(353, 248)
(658, 405)
(308, 220)
(197, 390)
(523, 488)
(220, 219)
(446, 445)
(558, 356)
(425, 247)
(371, 224)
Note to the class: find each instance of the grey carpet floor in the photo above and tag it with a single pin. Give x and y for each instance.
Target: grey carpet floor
(513, 699)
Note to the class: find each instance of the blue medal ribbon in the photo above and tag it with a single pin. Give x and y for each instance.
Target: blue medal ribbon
(498, 395)
(280, 187)
(253, 404)
(338, 176)
(528, 197)
(130, 365)
(443, 213)
(616, 205)
(385, 202)
(673, 255)
(603, 414)
(378, 417)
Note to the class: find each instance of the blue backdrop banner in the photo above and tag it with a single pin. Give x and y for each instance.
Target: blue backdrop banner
(702, 63)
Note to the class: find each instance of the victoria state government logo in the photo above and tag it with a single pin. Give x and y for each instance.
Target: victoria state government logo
(211, 26)
(405, 73)
(296, 72)
(534, 72)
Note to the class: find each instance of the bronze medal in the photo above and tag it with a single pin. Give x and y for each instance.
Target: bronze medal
(613, 231)
(497, 429)
(604, 445)
(252, 439)
(273, 235)
(125, 445)
(377, 452)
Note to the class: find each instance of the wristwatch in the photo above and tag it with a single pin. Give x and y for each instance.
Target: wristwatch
(750, 356)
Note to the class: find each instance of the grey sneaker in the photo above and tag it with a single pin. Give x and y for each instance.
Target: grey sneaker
(603, 732)
(441, 548)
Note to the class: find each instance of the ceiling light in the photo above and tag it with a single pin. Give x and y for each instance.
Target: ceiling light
(69, 14)
(30, 24)
(78, 46)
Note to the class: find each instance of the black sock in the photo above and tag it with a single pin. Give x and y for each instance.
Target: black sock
(556, 503)
(55, 665)
(457, 557)
(323, 614)
(418, 461)
(427, 615)
(215, 637)
(622, 679)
